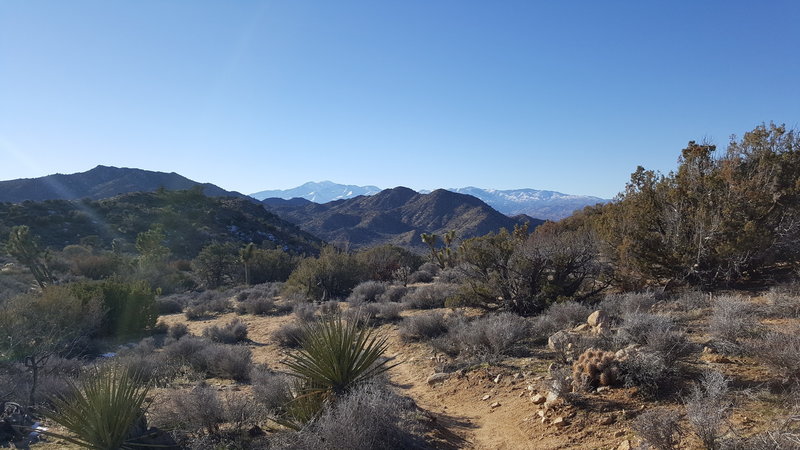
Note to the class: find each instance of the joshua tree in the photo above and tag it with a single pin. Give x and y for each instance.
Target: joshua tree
(247, 255)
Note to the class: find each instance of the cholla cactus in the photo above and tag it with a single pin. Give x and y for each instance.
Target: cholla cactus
(595, 368)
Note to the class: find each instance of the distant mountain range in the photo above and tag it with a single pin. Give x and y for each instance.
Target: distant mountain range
(100, 182)
(319, 192)
(395, 216)
(535, 203)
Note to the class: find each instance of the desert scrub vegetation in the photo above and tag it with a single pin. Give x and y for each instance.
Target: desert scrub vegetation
(213, 359)
(485, 337)
(429, 296)
(367, 292)
(733, 319)
(708, 409)
(659, 428)
(422, 327)
(231, 333)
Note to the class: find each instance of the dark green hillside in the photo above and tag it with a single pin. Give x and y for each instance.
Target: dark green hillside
(189, 219)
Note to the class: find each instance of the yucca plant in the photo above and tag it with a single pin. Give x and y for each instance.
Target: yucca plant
(335, 356)
(101, 413)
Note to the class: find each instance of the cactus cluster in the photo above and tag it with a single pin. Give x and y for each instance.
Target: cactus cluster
(595, 368)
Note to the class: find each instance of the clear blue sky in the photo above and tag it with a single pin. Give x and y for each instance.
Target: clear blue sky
(562, 95)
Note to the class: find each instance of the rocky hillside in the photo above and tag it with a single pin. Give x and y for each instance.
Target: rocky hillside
(100, 182)
(396, 216)
(189, 219)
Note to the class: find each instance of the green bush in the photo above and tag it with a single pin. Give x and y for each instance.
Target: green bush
(130, 306)
(331, 275)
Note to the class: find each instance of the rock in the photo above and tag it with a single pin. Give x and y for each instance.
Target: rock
(598, 318)
(606, 420)
(498, 378)
(624, 445)
(531, 388)
(486, 397)
(438, 378)
(559, 422)
(552, 397)
(558, 340)
(518, 375)
(538, 399)
(495, 405)
(603, 389)
(582, 327)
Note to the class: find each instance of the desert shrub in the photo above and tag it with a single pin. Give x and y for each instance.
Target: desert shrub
(783, 302)
(559, 316)
(56, 378)
(486, 336)
(217, 360)
(13, 284)
(429, 267)
(707, 408)
(691, 300)
(658, 333)
(271, 266)
(304, 312)
(230, 333)
(380, 263)
(207, 305)
(271, 390)
(368, 291)
(178, 330)
(453, 275)
(216, 264)
(331, 275)
(154, 369)
(369, 417)
(659, 428)
(423, 326)
(329, 308)
(130, 307)
(780, 352)
(430, 296)
(617, 305)
(289, 335)
(53, 322)
(786, 436)
(732, 319)
(204, 411)
(389, 312)
(420, 276)
(647, 371)
(96, 267)
(166, 306)
(393, 294)
(226, 361)
(257, 306)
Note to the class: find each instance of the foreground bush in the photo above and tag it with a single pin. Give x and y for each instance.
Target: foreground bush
(369, 417)
(230, 333)
(101, 413)
(486, 336)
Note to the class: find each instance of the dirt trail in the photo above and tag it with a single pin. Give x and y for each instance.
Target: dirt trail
(463, 418)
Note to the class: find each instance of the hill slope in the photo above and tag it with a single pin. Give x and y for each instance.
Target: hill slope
(190, 221)
(319, 192)
(396, 216)
(100, 182)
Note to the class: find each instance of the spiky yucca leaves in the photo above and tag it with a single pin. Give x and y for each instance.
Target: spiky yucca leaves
(101, 413)
(335, 356)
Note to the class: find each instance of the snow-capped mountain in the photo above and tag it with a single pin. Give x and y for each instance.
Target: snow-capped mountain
(318, 192)
(535, 203)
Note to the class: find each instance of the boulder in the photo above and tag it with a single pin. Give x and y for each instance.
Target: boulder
(598, 318)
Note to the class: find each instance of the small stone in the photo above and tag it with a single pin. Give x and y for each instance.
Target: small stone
(606, 420)
(551, 398)
(559, 421)
(495, 405)
(486, 397)
(624, 445)
(603, 389)
(531, 388)
(518, 375)
(597, 318)
(538, 399)
(438, 378)
(498, 378)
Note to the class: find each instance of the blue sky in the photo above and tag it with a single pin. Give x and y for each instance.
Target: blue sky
(567, 95)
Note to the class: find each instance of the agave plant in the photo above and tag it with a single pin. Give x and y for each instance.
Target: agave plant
(102, 412)
(335, 356)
